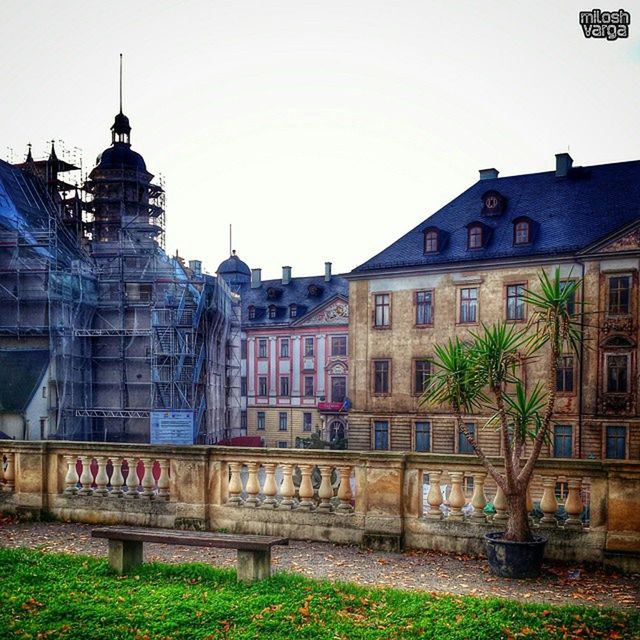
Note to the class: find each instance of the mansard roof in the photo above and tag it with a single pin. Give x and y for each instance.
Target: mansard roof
(569, 213)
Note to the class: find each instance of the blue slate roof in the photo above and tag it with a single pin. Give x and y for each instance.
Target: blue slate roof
(568, 214)
(296, 292)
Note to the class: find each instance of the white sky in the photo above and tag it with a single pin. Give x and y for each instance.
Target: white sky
(323, 130)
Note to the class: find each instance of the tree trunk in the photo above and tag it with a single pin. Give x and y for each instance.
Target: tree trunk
(518, 529)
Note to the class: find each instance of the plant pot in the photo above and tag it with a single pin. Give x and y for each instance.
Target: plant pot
(510, 559)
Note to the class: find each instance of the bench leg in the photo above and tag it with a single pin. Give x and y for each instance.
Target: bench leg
(125, 555)
(253, 565)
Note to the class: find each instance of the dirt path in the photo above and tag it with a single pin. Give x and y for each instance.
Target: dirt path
(420, 570)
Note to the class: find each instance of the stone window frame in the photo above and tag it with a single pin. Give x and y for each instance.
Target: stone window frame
(346, 345)
(373, 377)
(573, 438)
(574, 391)
(263, 342)
(414, 434)
(609, 276)
(615, 423)
(373, 433)
(507, 286)
(374, 317)
(605, 377)
(460, 289)
(266, 387)
(285, 348)
(459, 434)
(285, 386)
(414, 373)
(422, 325)
(261, 421)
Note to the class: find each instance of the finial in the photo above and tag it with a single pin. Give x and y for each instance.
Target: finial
(52, 155)
(29, 156)
(120, 83)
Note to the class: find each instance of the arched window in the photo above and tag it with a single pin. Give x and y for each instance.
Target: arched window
(431, 241)
(474, 238)
(252, 312)
(522, 232)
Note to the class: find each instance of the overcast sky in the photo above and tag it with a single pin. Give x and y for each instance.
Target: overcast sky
(323, 130)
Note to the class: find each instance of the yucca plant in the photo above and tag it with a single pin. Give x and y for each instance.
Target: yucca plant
(485, 374)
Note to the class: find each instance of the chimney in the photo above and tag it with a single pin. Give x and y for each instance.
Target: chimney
(564, 162)
(196, 267)
(488, 174)
(286, 275)
(256, 275)
(327, 272)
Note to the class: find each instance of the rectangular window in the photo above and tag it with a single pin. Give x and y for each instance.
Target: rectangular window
(464, 445)
(381, 435)
(339, 346)
(564, 375)
(262, 385)
(243, 349)
(243, 421)
(338, 388)
(284, 347)
(469, 305)
(282, 444)
(282, 421)
(308, 387)
(261, 421)
(262, 348)
(284, 385)
(616, 445)
(515, 302)
(619, 295)
(43, 428)
(44, 392)
(617, 373)
(306, 421)
(382, 317)
(423, 436)
(243, 386)
(308, 347)
(562, 441)
(381, 376)
(424, 307)
(422, 371)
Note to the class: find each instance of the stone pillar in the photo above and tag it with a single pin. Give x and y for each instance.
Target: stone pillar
(456, 498)
(9, 473)
(500, 504)
(147, 478)
(71, 479)
(306, 488)
(251, 367)
(85, 477)
(344, 490)
(124, 555)
(478, 499)
(573, 504)
(325, 492)
(273, 368)
(102, 479)
(287, 490)
(253, 565)
(434, 497)
(235, 484)
(117, 479)
(270, 490)
(548, 503)
(253, 486)
(163, 480)
(132, 478)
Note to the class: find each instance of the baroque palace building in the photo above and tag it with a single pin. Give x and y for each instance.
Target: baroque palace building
(469, 263)
(294, 354)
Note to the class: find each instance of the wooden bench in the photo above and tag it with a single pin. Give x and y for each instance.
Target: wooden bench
(254, 552)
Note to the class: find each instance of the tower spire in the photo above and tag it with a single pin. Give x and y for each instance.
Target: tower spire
(121, 129)
(120, 83)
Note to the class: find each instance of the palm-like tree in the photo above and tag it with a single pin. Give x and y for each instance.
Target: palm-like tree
(486, 373)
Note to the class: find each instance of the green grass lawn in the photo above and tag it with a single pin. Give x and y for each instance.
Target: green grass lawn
(46, 595)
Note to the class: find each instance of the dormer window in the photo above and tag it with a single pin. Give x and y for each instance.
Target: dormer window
(273, 293)
(474, 237)
(314, 290)
(293, 310)
(252, 312)
(522, 231)
(431, 244)
(493, 203)
(272, 311)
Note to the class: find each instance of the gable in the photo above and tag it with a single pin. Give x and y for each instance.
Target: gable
(627, 242)
(335, 312)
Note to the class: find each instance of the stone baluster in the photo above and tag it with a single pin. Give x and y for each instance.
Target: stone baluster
(573, 504)
(325, 493)
(270, 489)
(478, 499)
(253, 486)
(117, 479)
(9, 472)
(132, 478)
(434, 497)
(306, 488)
(71, 478)
(163, 480)
(549, 503)
(147, 479)
(235, 484)
(287, 490)
(344, 490)
(456, 498)
(102, 479)
(500, 504)
(86, 479)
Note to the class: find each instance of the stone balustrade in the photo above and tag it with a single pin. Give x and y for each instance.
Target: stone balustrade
(588, 509)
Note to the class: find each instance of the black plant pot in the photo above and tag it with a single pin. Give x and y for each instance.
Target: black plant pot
(514, 559)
